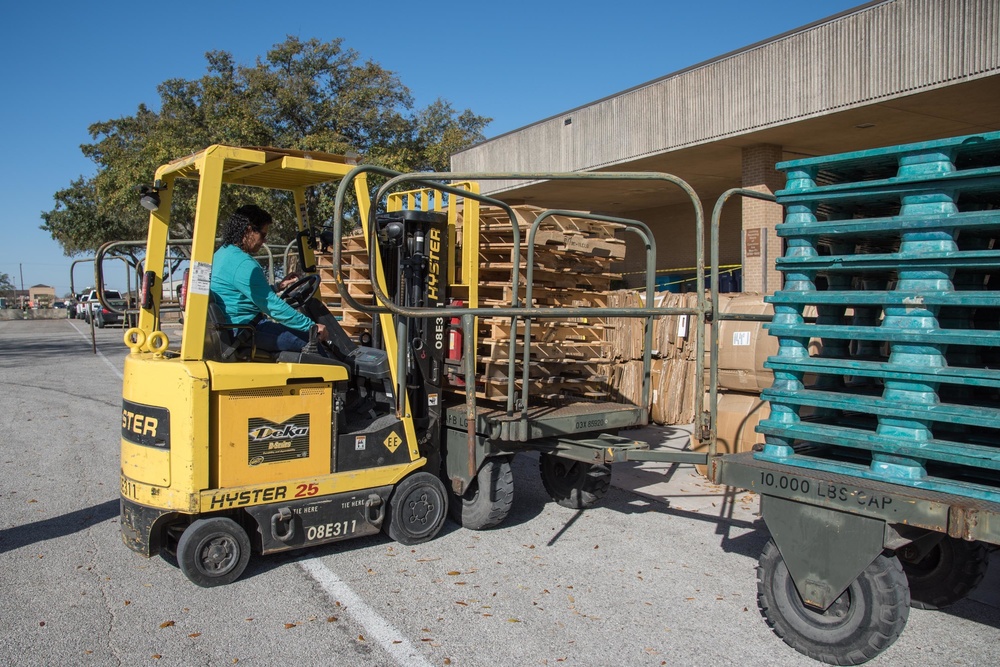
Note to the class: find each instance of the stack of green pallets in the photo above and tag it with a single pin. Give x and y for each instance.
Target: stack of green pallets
(897, 249)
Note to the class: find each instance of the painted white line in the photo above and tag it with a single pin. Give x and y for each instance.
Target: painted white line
(117, 370)
(376, 627)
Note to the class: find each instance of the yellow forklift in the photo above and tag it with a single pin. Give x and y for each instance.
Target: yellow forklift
(226, 450)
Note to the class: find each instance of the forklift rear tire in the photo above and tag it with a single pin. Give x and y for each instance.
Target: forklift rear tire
(213, 552)
(574, 484)
(487, 501)
(948, 573)
(864, 621)
(417, 509)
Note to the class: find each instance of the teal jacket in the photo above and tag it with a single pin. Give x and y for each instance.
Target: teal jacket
(242, 291)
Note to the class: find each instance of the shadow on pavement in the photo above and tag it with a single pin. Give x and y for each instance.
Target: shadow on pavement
(57, 526)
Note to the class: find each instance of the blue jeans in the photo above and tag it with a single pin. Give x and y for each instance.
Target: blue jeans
(271, 336)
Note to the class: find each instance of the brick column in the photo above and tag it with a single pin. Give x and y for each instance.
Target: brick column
(760, 242)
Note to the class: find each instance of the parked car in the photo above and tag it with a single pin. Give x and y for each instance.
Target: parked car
(80, 310)
(101, 315)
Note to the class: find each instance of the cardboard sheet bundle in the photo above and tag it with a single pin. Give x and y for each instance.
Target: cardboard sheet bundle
(672, 376)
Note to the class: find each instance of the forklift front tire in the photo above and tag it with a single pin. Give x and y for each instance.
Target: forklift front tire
(213, 552)
(417, 509)
(864, 621)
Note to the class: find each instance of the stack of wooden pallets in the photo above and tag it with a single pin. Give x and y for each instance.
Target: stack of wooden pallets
(573, 261)
(354, 257)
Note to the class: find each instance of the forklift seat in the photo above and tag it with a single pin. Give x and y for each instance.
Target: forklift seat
(230, 342)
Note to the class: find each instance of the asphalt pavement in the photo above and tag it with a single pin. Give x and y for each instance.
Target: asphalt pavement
(661, 573)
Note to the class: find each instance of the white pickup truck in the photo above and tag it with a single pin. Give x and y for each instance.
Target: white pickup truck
(92, 309)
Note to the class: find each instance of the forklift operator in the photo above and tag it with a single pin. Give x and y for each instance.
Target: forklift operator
(243, 293)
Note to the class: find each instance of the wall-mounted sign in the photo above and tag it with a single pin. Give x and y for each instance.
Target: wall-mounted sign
(751, 242)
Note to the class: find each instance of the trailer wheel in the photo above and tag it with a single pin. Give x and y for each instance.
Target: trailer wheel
(488, 499)
(864, 621)
(417, 509)
(213, 552)
(574, 484)
(948, 573)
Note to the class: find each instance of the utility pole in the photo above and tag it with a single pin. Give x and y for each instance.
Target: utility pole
(20, 269)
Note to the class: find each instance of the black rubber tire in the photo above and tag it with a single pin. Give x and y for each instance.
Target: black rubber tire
(574, 484)
(487, 501)
(864, 621)
(100, 321)
(417, 509)
(948, 573)
(213, 552)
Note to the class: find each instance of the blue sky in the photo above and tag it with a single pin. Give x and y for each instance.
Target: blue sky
(68, 65)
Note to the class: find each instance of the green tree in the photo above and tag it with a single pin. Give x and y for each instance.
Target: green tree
(6, 284)
(308, 95)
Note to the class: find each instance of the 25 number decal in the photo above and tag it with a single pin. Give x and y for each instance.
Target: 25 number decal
(306, 490)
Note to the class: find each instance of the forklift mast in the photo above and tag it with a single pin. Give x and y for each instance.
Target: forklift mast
(414, 247)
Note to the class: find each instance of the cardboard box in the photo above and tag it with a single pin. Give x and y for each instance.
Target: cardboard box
(745, 346)
(656, 396)
(737, 416)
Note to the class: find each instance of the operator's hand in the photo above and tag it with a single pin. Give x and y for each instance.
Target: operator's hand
(323, 333)
(287, 280)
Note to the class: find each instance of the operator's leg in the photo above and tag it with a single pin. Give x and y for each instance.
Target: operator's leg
(274, 337)
(340, 342)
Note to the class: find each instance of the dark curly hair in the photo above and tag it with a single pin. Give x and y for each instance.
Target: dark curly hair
(249, 216)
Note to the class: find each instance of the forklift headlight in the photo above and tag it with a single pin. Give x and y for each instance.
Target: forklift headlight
(149, 197)
(150, 201)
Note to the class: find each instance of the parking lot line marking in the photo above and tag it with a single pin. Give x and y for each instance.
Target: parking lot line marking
(117, 370)
(376, 627)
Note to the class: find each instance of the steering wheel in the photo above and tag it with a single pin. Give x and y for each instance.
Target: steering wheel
(299, 292)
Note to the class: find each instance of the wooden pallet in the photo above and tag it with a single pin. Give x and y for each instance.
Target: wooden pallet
(574, 257)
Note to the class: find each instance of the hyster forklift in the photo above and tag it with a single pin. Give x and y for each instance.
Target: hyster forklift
(226, 450)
